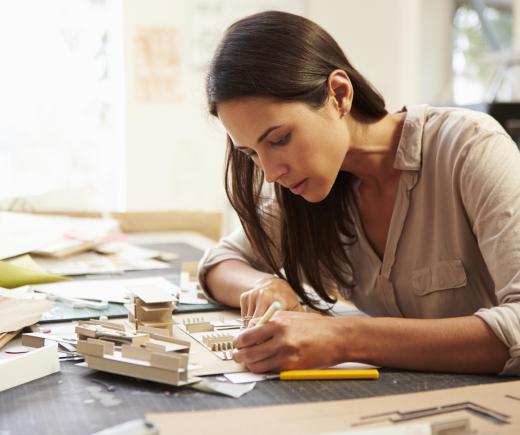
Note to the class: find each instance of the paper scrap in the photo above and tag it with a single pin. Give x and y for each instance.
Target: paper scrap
(245, 377)
(15, 314)
(22, 271)
(191, 299)
(354, 366)
(190, 292)
(224, 388)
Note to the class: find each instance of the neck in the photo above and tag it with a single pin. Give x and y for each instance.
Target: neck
(372, 151)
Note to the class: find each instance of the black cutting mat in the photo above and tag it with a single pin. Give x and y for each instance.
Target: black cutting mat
(62, 403)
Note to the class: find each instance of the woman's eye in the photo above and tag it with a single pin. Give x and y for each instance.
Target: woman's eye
(248, 152)
(281, 141)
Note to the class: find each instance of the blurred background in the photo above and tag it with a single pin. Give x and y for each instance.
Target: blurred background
(102, 103)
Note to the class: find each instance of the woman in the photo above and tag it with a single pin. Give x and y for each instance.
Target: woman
(413, 216)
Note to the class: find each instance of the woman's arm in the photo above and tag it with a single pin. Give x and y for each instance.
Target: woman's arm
(301, 340)
(229, 279)
(456, 345)
(237, 284)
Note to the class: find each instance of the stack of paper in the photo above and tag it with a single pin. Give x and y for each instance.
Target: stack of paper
(51, 235)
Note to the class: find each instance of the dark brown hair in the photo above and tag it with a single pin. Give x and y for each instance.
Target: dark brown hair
(289, 58)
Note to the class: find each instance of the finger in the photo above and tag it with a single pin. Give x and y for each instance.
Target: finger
(256, 320)
(256, 353)
(253, 297)
(261, 306)
(273, 363)
(255, 335)
(253, 322)
(244, 301)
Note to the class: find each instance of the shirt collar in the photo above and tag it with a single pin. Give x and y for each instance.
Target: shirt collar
(408, 155)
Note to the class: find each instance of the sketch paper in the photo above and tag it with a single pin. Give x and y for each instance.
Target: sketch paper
(112, 290)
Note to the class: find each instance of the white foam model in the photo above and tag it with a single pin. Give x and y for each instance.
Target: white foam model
(20, 369)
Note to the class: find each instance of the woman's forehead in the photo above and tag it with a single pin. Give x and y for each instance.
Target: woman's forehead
(257, 106)
(247, 118)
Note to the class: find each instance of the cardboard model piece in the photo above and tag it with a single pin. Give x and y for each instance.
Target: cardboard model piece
(152, 308)
(112, 348)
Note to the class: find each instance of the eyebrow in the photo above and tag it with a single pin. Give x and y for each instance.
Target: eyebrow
(262, 136)
(265, 133)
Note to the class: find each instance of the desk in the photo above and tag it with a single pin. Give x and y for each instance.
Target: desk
(63, 403)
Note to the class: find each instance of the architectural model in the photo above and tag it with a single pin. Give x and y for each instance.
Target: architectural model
(112, 347)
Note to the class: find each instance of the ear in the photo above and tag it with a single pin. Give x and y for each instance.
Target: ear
(340, 90)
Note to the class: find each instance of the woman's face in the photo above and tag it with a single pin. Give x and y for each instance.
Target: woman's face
(295, 145)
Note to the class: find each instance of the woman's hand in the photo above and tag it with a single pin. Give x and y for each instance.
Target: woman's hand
(255, 301)
(291, 341)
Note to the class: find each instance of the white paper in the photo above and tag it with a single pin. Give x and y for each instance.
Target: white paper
(224, 388)
(190, 291)
(246, 377)
(354, 366)
(104, 290)
(191, 299)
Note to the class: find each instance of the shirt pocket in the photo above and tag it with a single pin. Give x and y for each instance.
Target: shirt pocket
(442, 275)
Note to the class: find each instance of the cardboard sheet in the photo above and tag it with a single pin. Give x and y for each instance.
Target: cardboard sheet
(342, 415)
(15, 314)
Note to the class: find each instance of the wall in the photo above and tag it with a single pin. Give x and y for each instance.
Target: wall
(174, 151)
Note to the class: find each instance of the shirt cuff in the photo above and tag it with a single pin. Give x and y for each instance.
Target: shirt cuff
(504, 321)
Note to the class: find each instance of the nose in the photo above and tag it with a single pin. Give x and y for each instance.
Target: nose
(273, 168)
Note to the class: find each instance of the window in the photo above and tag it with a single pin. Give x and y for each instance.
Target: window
(60, 107)
(483, 62)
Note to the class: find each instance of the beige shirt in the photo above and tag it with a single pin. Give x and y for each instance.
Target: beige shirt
(453, 247)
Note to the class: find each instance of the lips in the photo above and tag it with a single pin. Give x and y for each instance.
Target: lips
(298, 188)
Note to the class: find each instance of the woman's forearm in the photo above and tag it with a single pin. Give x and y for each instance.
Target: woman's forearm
(456, 345)
(229, 279)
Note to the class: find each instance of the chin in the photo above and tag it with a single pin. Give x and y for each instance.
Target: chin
(314, 197)
(316, 192)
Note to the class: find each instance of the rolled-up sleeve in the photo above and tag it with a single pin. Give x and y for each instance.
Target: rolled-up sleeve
(236, 246)
(490, 188)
